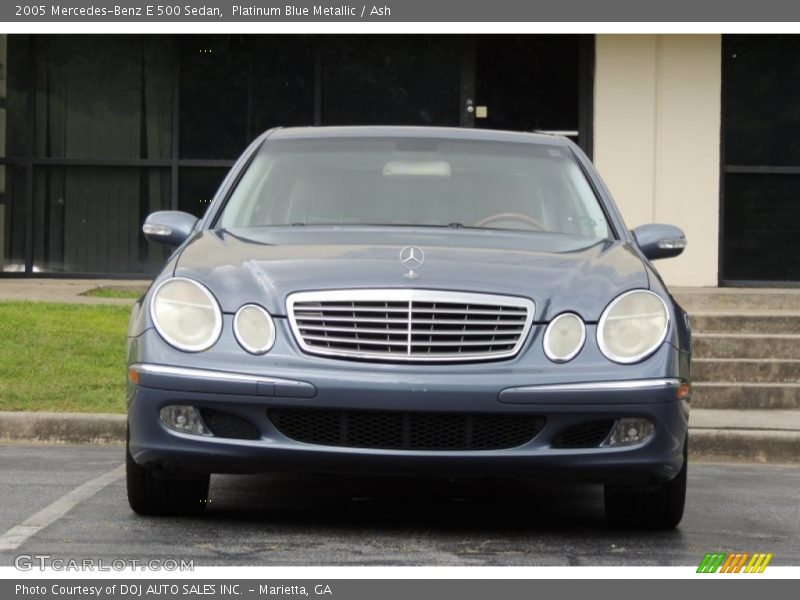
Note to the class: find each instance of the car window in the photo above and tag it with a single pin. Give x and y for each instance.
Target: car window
(404, 182)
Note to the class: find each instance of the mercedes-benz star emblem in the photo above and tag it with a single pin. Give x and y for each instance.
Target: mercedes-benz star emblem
(412, 258)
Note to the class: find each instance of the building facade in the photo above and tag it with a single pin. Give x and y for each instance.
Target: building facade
(98, 131)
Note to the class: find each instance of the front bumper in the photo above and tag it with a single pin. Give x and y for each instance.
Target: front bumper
(562, 405)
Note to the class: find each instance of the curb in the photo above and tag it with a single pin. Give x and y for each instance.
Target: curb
(705, 444)
(69, 428)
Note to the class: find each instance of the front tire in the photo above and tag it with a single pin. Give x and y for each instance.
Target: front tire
(152, 494)
(651, 508)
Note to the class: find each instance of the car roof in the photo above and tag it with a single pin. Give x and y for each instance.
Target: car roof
(454, 133)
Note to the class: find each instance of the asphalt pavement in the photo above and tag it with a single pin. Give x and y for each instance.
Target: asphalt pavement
(69, 502)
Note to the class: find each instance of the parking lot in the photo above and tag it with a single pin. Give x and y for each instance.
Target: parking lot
(316, 520)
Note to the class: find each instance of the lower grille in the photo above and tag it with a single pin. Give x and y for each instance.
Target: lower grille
(586, 435)
(405, 430)
(226, 425)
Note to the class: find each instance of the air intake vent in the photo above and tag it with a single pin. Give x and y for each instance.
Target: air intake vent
(410, 325)
(406, 431)
(226, 425)
(586, 435)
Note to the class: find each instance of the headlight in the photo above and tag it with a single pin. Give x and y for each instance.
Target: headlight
(632, 326)
(254, 329)
(564, 337)
(186, 314)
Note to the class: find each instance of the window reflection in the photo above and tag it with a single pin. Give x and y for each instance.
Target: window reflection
(103, 96)
(88, 219)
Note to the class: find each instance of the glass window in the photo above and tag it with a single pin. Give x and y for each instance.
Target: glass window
(103, 96)
(12, 219)
(761, 95)
(420, 181)
(14, 75)
(234, 87)
(13, 111)
(761, 128)
(528, 82)
(391, 80)
(89, 219)
(282, 83)
(197, 188)
(762, 227)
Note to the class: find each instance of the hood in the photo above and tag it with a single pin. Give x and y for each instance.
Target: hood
(558, 272)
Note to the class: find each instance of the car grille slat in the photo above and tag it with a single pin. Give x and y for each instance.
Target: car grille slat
(463, 322)
(354, 308)
(465, 344)
(390, 430)
(346, 340)
(398, 325)
(338, 319)
(313, 329)
(355, 329)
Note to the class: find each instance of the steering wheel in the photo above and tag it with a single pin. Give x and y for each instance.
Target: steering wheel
(512, 216)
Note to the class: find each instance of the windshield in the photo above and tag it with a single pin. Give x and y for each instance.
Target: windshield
(415, 182)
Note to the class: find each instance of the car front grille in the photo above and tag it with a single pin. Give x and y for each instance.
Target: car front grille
(409, 325)
(390, 430)
(585, 435)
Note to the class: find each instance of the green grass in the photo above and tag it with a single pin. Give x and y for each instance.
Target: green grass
(115, 292)
(62, 357)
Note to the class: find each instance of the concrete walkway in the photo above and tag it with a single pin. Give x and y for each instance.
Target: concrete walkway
(66, 290)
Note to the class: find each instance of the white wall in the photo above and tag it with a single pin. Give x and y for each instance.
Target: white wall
(657, 136)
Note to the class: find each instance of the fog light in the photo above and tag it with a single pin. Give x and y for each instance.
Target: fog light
(629, 431)
(185, 419)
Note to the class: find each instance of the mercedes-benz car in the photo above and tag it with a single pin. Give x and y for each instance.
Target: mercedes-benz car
(415, 302)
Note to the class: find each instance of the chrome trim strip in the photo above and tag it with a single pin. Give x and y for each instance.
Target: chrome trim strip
(206, 374)
(628, 384)
(409, 295)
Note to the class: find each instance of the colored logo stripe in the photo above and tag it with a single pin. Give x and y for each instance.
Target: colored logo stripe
(711, 562)
(758, 563)
(733, 563)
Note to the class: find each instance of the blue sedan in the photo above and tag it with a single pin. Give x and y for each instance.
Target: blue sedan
(414, 302)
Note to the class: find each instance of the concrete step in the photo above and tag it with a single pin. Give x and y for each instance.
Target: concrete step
(746, 370)
(727, 445)
(746, 396)
(783, 420)
(704, 299)
(746, 321)
(746, 345)
(746, 435)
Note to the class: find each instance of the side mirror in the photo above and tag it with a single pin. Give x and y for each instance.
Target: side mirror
(170, 227)
(660, 241)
